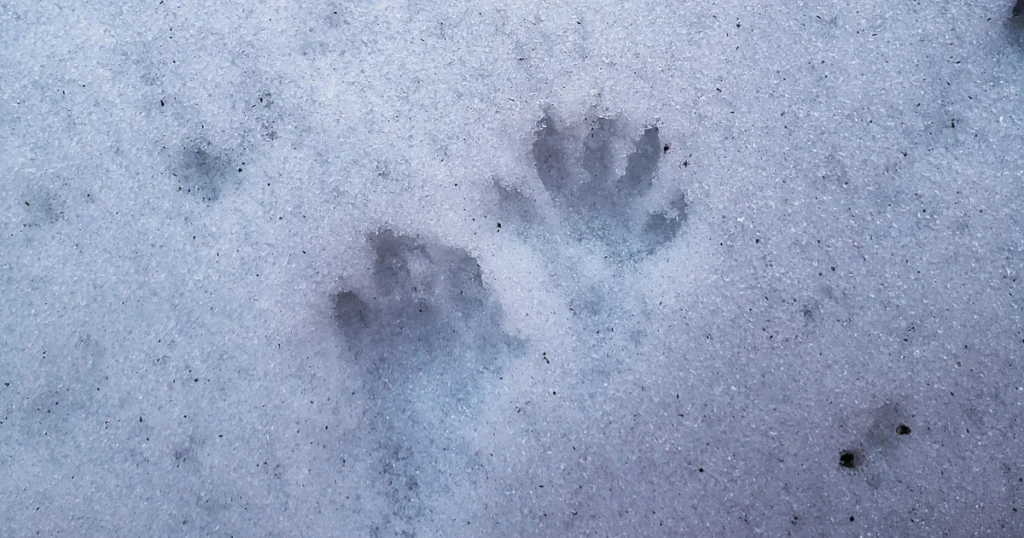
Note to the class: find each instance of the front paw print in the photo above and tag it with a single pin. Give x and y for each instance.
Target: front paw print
(580, 166)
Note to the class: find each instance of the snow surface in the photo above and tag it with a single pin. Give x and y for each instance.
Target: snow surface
(522, 268)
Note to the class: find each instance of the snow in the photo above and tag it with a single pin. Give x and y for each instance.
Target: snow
(511, 269)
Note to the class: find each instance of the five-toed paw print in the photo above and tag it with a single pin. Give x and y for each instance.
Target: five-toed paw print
(600, 178)
(427, 335)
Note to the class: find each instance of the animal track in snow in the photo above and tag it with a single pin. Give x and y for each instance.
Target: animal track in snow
(426, 298)
(579, 165)
(425, 334)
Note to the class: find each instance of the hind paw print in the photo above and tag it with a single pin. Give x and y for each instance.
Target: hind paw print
(427, 332)
(427, 300)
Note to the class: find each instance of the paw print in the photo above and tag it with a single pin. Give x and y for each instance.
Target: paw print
(425, 332)
(579, 169)
(427, 300)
